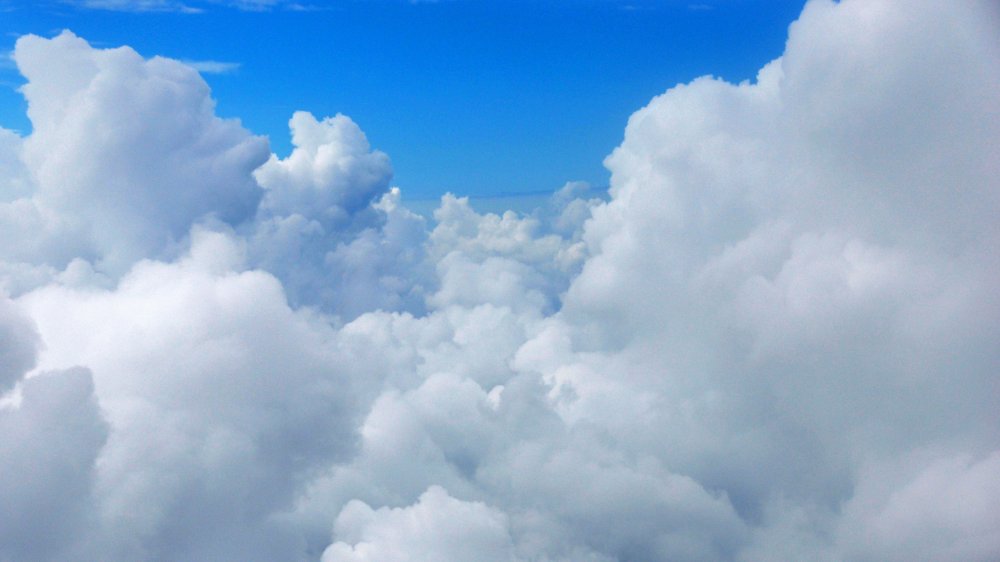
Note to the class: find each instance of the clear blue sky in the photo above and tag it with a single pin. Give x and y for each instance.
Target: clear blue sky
(467, 96)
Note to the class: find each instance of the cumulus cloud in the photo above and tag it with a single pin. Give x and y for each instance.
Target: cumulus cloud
(437, 527)
(50, 435)
(331, 228)
(128, 151)
(49, 444)
(776, 339)
(331, 172)
(217, 414)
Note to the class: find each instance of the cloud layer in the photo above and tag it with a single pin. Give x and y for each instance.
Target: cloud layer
(775, 340)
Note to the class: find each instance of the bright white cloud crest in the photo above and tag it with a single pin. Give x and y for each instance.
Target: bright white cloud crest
(776, 340)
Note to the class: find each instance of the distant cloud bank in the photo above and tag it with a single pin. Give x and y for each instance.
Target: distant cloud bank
(775, 339)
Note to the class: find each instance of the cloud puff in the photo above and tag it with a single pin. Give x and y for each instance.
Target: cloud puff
(775, 340)
(437, 527)
(128, 150)
(50, 435)
(330, 173)
(227, 400)
(49, 443)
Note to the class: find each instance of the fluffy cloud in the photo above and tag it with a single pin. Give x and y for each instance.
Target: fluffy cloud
(51, 432)
(330, 174)
(504, 260)
(437, 527)
(17, 344)
(775, 340)
(329, 226)
(127, 150)
(217, 414)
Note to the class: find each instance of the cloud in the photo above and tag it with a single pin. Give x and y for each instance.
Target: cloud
(437, 527)
(7, 60)
(19, 343)
(129, 150)
(186, 444)
(192, 7)
(775, 339)
(329, 174)
(330, 227)
(212, 66)
(136, 5)
(49, 444)
(50, 436)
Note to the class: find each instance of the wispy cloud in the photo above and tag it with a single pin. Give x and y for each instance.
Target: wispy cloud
(6, 60)
(213, 66)
(136, 5)
(196, 6)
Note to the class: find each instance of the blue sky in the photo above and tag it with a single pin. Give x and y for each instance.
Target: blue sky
(472, 97)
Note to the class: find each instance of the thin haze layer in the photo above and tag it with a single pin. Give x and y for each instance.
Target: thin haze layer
(775, 341)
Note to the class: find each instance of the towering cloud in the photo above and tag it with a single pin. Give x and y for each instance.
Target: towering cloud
(776, 340)
(330, 173)
(128, 151)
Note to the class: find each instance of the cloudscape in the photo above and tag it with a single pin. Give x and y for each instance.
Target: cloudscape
(775, 337)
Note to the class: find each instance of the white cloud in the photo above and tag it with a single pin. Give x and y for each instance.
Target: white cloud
(189, 7)
(137, 5)
(48, 445)
(213, 66)
(947, 508)
(51, 431)
(128, 151)
(18, 344)
(776, 340)
(236, 396)
(437, 527)
(331, 173)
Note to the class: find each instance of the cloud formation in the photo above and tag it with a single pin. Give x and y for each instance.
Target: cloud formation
(188, 7)
(213, 66)
(775, 340)
(128, 152)
(437, 527)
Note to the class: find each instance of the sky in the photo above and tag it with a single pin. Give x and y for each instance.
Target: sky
(475, 98)
(771, 336)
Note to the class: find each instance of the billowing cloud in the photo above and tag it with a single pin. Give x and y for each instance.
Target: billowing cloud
(437, 527)
(329, 226)
(50, 437)
(127, 150)
(775, 340)
(330, 173)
